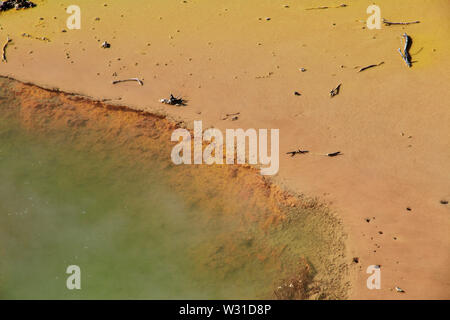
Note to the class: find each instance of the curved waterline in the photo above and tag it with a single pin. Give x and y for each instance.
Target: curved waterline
(91, 184)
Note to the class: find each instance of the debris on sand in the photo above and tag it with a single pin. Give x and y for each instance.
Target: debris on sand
(371, 66)
(26, 35)
(268, 75)
(295, 152)
(131, 79)
(235, 116)
(444, 202)
(388, 23)
(398, 289)
(334, 154)
(405, 53)
(16, 4)
(173, 101)
(106, 45)
(325, 7)
(8, 40)
(296, 93)
(299, 151)
(335, 91)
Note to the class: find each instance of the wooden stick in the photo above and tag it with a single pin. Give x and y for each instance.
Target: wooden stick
(8, 40)
(388, 23)
(335, 91)
(126, 80)
(371, 66)
(324, 7)
(295, 152)
(334, 154)
(405, 54)
(231, 115)
(316, 8)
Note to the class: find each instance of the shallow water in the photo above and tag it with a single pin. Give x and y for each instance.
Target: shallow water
(58, 207)
(63, 202)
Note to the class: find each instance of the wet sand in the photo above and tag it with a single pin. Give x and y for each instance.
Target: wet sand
(88, 182)
(390, 122)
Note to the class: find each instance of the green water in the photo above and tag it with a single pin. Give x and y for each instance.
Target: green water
(59, 208)
(131, 236)
(63, 203)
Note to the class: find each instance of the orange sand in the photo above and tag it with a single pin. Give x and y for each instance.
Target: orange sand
(391, 122)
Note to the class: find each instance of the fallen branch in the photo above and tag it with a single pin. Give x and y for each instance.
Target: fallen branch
(295, 152)
(335, 91)
(371, 66)
(173, 101)
(235, 116)
(324, 7)
(405, 53)
(334, 154)
(388, 23)
(126, 80)
(8, 40)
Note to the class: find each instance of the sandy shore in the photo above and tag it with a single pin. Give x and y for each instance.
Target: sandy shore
(390, 122)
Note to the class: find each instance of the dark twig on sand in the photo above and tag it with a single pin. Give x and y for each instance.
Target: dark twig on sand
(325, 7)
(295, 152)
(8, 40)
(405, 53)
(334, 154)
(335, 91)
(173, 101)
(388, 23)
(235, 116)
(371, 66)
(126, 80)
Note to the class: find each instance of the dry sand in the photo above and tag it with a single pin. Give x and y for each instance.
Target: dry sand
(391, 122)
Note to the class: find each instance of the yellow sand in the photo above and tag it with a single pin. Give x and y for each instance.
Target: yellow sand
(391, 122)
